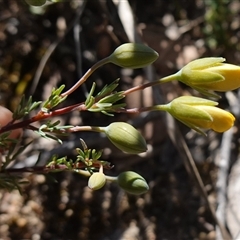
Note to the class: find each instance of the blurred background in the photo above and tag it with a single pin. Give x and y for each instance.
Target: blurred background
(42, 48)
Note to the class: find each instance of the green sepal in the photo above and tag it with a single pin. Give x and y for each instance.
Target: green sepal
(207, 93)
(199, 77)
(182, 111)
(190, 100)
(197, 129)
(203, 63)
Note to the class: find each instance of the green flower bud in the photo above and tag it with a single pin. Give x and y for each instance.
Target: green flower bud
(125, 137)
(36, 3)
(96, 181)
(132, 183)
(133, 55)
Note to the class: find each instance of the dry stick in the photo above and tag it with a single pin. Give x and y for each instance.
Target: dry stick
(223, 165)
(42, 64)
(125, 14)
(51, 49)
(189, 163)
(76, 35)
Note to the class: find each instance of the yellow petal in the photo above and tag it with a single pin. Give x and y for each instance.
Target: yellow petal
(230, 72)
(222, 120)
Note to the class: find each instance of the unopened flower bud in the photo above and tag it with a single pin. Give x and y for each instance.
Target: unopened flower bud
(35, 3)
(133, 55)
(210, 74)
(125, 137)
(96, 181)
(198, 113)
(132, 183)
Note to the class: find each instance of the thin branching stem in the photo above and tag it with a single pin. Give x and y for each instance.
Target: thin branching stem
(52, 168)
(86, 76)
(85, 128)
(81, 106)
(162, 107)
(150, 84)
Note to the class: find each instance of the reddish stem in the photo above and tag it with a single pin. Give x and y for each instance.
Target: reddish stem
(140, 87)
(41, 116)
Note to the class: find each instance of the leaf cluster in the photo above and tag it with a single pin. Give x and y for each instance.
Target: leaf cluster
(54, 99)
(25, 107)
(49, 127)
(105, 101)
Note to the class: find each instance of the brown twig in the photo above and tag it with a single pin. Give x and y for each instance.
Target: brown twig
(192, 170)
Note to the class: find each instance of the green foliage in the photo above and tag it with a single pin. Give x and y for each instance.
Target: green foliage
(54, 99)
(13, 153)
(217, 23)
(25, 107)
(5, 140)
(90, 158)
(11, 182)
(49, 127)
(105, 101)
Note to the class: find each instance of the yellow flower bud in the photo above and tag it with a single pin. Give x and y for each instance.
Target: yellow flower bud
(133, 55)
(125, 137)
(96, 181)
(209, 74)
(36, 3)
(132, 183)
(199, 113)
